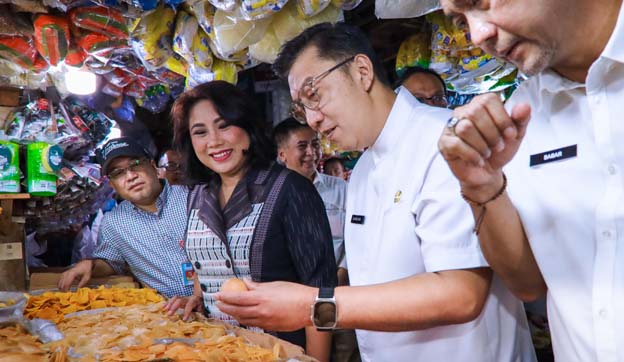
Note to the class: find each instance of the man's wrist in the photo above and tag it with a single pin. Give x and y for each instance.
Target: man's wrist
(483, 193)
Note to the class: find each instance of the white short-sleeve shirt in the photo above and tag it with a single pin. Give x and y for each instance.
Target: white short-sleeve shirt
(572, 208)
(405, 216)
(333, 191)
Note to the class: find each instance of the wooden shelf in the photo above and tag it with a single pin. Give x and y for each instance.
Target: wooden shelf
(14, 196)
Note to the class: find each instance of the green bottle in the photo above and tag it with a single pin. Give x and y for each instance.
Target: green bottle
(9, 167)
(42, 161)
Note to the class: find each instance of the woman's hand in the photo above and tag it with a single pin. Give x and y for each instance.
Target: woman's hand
(189, 304)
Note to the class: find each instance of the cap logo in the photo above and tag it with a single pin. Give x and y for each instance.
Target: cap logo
(111, 147)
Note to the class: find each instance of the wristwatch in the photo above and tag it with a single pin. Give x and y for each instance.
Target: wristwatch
(324, 311)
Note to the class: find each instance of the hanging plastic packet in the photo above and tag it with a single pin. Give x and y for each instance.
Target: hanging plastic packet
(198, 75)
(399, 9)
(204, 13)
(232, 33)
(43, 161)
(9, 167)
(152, 38)
(178, 65)
(100, 19)
(308, 8)
(260, 9)
(21, 51)
(225, 5)
(155, 100)
(38, 117)
(100, 46)
(288, 23)
(52, 37)
(15, 122)
(346, 4)
(145, 5)
(267, 49)
(135, 90)
(185, 31)
(415, 51)
(202, 56)
(226, 71)
(75, 57)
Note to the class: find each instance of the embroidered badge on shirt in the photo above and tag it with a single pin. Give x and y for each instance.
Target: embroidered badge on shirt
(397, 196)
(553, 155)
(357, 219)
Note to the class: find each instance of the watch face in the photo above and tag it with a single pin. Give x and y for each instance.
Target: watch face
(325, 314)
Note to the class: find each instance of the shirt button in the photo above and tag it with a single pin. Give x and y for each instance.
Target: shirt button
(197, 265)
(612, 169)
(607, 234)
(602, 313)
(228, 264)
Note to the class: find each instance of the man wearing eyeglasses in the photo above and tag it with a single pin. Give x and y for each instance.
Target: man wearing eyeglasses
(426, 85)
(144, 234)
(422, 290)
(169, 168)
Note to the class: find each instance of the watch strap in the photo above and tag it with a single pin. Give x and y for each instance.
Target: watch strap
(326, 293)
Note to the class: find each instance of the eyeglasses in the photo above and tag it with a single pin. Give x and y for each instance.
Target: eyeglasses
(138, 165)
(171, 166)
(435, 100)
(308, 94)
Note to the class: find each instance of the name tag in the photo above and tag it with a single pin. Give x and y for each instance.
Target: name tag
(357, 219)
(187, 274)
(553, 155)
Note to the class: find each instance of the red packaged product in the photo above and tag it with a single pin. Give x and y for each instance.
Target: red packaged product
(100, 19)
(75, 57)
(21, 51)
(52, 37)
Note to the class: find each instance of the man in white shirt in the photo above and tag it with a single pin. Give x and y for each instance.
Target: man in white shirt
(417, 269)
(299, 149)
(558, 228)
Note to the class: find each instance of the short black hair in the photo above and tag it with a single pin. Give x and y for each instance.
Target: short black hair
(336, 160)
(237, 109)
(282, 131)
(409, 71)
(337, 42)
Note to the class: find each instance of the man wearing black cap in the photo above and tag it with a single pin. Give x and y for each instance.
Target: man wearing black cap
(144, 234)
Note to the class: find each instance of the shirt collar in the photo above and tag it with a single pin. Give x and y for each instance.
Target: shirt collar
(555, 83)
(318, 178)
(614, 49)
(395, 125)
(161, 201)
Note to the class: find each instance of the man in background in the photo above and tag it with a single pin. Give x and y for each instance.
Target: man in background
(426, 85)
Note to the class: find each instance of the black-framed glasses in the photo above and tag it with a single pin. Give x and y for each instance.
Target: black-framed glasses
(438, 100)
(308, 93)
(137, 165)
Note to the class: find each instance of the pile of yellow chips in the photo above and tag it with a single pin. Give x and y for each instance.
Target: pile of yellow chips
(55, 305)
(16, 344)
(129, 334)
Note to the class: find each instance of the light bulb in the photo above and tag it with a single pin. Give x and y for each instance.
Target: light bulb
(80, 82)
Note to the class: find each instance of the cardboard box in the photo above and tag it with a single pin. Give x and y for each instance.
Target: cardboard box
(10, 97)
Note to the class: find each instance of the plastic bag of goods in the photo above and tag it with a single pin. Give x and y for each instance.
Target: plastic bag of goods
(100, 46)
(156, 99)
(177, 64)
(401, 9)
(21, 51)
(288, 23)
(202, 56)
(308, 8)
(153, 36)
(225, 5)
(9, 167)
(260, 9)
(100, 19)
(43, 160)
(226, 71)
(346, 4)
(415, 51)
(267, 49)
(75, 57)
(204, 13)
(231, 33)
(14, 124)
(186, 29)
(52, 37)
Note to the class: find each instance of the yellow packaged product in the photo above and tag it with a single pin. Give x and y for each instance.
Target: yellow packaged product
(288, 23)
(231, 33)
(267, 49)
(202, 56)
(415, 51)
(260, 9)
(185, 30)
(153, 36)
(308, 8)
